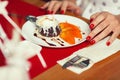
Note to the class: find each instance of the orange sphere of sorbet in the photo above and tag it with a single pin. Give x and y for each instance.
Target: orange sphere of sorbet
(69, 32)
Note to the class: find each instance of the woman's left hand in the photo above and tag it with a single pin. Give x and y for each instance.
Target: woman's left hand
(102, 24)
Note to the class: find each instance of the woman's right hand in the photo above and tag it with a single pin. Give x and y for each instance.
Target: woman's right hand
(63, 5)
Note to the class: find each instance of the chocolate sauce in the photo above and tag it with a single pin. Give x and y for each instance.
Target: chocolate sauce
(45, 40)
(35, 34)
(56, 40)
(83, 33)
(48, 42)
(60, 40)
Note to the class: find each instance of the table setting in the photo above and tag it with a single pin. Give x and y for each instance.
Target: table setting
(37, 49)
(98, 51)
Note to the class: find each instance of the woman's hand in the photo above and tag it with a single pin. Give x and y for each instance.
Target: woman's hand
(103, 24)
(62, 5)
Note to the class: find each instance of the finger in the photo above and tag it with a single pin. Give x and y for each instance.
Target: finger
(112, 38)
(56, 7)
(45, 5)
(70, 6)
(51, 5)
(64, 7)
(77, 11)
(94, 15)
(100, 17)
(99, 28)
(102, 35)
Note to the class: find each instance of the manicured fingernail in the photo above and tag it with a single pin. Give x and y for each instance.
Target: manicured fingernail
(49, 12)
(92, 42)
(91, 20)
(108, 43)
(88, 38)
(62, 12)
(91, 26)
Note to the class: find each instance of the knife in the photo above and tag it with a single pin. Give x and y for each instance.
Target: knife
(71, 61)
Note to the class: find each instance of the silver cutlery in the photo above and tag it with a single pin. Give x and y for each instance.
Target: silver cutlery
(77, 61)
(82, 64)
(71, 61)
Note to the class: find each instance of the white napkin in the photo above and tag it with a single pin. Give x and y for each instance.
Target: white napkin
(95, 53)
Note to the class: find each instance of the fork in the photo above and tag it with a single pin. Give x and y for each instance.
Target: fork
(82, 64)
(71, 61)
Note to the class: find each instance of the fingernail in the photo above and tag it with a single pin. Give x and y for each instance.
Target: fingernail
(91, 20)
(88, 38)
(92, 42)
(108, 43)
(49, 12)
(91, 26)
(62, 12)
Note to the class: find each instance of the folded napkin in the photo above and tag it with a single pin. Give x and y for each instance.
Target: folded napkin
(94, 54)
